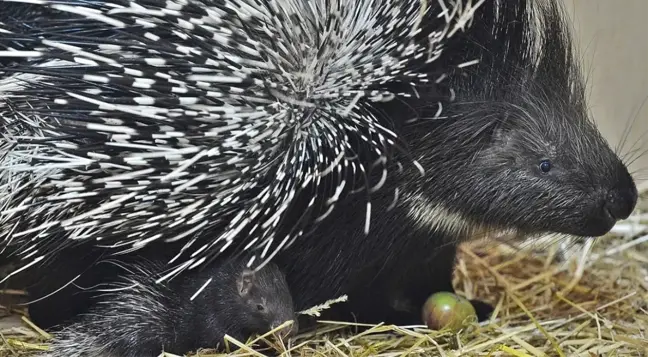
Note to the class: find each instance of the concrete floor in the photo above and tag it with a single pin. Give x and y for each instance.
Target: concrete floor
(612, 37)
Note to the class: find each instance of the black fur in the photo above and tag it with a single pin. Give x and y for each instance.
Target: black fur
(145, 319)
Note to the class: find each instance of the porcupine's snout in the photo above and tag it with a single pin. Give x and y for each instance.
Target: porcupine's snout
(622, 199)
(616, 202)
(288, 331)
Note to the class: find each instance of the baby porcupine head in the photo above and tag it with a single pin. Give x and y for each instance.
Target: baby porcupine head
(267, 300)
(517, 150)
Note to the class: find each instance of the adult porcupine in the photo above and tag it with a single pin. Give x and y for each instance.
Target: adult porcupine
(516, 152)
(139, 122)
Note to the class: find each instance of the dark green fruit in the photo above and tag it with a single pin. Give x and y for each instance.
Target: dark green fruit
(445, 310)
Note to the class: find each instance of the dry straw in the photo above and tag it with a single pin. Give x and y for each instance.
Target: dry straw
(594, 304)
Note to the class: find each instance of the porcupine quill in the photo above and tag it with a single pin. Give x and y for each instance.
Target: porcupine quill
(133, 122)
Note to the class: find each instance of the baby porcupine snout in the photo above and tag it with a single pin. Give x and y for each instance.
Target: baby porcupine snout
(288, 331)
(284, 312)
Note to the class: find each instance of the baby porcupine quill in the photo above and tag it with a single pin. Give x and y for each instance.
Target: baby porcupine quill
(129, 123)
(153, 318)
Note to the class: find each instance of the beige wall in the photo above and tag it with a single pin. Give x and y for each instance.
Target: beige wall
(612, 37)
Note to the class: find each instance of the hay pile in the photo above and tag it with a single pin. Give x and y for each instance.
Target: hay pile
(593, 305)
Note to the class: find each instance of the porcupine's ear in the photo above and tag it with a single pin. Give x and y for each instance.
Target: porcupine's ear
(500, 139)
(245, 282)
(501, 136)
(501, 130)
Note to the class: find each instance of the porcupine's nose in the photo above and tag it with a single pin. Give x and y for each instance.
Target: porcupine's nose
(622, 200)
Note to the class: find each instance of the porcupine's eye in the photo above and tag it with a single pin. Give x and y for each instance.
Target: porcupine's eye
(260, 307)
(545, 166)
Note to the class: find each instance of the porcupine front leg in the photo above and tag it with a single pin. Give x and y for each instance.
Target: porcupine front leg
(398, 291)
(398, 297)
(387, 274)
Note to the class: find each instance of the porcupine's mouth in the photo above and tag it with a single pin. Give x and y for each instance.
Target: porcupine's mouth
(517, 235)
(540, 241)
(501, 233)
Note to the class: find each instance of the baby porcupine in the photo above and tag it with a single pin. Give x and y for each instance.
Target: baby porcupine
(137, 317)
